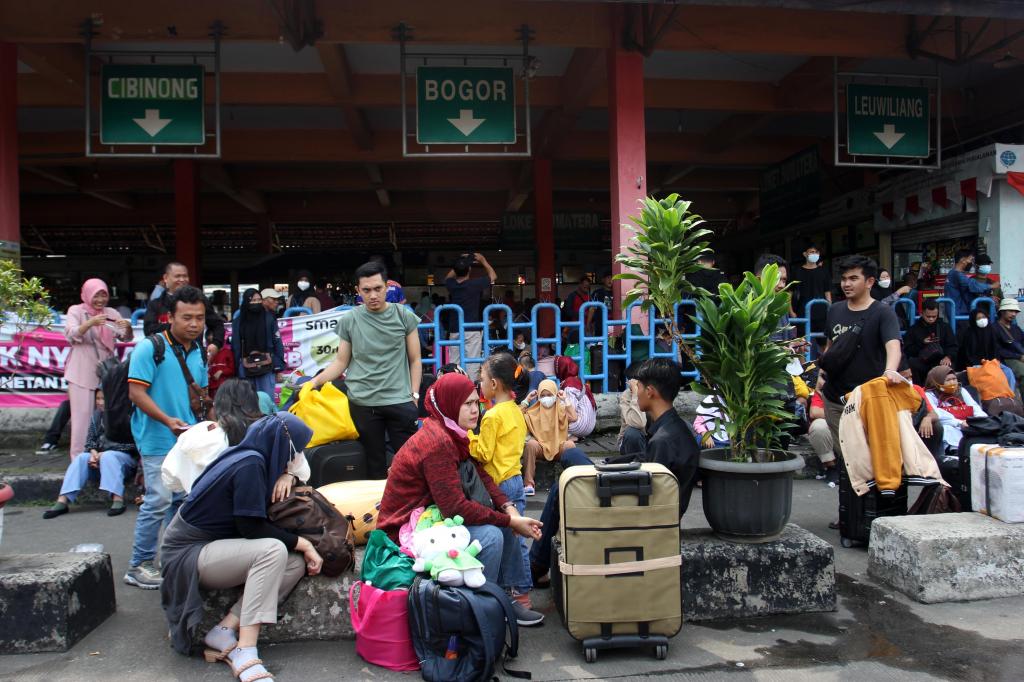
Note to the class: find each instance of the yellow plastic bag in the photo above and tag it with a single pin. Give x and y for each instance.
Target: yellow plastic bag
(359, 501)
(326, 412)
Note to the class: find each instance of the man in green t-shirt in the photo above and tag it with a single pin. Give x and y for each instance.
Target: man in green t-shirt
(379, 354)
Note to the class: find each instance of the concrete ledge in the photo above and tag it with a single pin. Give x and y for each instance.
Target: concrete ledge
(794, 574)
(50, 601)
(46, 486)
(317, 609)
(948, 557)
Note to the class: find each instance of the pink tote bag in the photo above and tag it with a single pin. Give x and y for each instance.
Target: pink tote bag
(380, 619)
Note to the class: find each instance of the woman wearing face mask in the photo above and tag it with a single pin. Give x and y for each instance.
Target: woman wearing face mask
(92, 328)
(425, 471)
(221, 538)
(302, 293)
(952, 404)
(256, 343)
(977, 342)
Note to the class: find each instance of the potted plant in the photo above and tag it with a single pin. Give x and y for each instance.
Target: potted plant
(748, 486)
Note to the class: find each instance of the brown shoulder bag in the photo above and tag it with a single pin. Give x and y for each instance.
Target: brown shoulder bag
(308, 513)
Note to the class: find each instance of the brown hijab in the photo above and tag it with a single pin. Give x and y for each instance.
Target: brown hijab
(548, 425)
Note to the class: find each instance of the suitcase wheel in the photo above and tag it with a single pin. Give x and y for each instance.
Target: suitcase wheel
(661, 651)
(590, 654)
(846, 542)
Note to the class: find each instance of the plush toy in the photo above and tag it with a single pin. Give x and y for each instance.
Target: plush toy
(443, 549)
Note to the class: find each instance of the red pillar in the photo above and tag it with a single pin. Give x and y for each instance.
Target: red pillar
(186, 217)
(10, 220)
(626, 144)
(544, 240)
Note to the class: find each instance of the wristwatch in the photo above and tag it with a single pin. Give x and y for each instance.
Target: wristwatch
(415, 395)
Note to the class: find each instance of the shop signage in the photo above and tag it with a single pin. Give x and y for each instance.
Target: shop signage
(152, 104)
(888, 120)
(465, 105)
(791, 191)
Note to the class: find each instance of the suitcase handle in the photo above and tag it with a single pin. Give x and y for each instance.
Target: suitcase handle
(630, 482)
(625, 466)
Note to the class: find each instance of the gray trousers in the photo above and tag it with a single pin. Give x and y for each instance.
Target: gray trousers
(266, 569)
(833, 413)
(821, 439)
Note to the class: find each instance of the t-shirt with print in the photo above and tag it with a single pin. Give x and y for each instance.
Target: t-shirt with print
(879, 325)
(166, 385)
(241, 493)
(378, 373)
(467, 296)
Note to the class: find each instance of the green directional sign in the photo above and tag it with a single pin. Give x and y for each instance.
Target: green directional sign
(888, 120)
(465, 105)
(152, 104)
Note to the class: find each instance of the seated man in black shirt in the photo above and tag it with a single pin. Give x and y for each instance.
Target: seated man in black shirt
(670, 441)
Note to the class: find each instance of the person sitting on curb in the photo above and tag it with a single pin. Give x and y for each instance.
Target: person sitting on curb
(548, 416)
(670, 442)
(221, 538)
(103, 461)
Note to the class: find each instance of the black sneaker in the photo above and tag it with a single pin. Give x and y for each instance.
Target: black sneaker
(832, 476)
(46, 448)
(525, 617)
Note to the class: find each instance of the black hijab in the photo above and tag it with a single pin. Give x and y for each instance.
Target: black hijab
(252, 326)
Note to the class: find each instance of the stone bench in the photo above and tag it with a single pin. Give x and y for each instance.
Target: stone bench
(721, 579)
(50, 601)
(317, 609)
(948, 557)
(46, 487)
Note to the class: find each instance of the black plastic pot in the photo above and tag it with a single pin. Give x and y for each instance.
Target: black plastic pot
(748, 501)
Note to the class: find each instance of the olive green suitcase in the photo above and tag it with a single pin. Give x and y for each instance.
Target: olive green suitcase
(616, 561)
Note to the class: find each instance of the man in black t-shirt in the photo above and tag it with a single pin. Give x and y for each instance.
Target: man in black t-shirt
(813, 280)
(467, 293)
(879, 349)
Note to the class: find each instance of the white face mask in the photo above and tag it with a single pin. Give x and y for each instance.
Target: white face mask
(520, 346)
(983, 322)
(984, 269)
(813, 258)
(884, 283)
(547, 400)
(302, 285)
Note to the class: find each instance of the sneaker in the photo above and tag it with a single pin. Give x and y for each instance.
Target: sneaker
(145, 576)
(46, 448)
(529, 491)
(832, 476)
(526, 617)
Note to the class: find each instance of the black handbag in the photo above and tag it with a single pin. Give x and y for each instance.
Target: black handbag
(473, 485)
(843, 350)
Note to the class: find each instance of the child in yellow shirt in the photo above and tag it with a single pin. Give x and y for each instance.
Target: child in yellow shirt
(499, 448)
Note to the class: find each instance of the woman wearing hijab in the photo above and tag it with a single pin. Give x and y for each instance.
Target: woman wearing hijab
(426, 470)
(549, 416)
(220, 538)
(92, 329)
(978, 341)
(579, 395)
(952, 404)
(254, 337)
(302, 293)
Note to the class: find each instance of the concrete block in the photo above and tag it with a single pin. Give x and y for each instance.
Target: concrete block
(794, 574)
(50, 601)
(317, 609)
(948, 557)
(608, 409)
(46, 487)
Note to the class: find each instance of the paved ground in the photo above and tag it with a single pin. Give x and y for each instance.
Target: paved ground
(875, 635)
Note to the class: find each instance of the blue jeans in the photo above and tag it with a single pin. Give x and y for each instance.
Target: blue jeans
(499, 553)
(521, 580)
(114, 466)
(634, 441)
(158, 507)
(540, 551)
(263, 383)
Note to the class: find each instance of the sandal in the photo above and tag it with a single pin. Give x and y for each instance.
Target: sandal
(214, 656)
(213, 652)
(246, 665)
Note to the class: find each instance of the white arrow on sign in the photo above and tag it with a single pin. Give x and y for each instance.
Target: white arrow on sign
(465, 122)
(152, 123)
(889, 137)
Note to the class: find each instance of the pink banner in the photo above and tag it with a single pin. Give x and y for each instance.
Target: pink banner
(32, 368)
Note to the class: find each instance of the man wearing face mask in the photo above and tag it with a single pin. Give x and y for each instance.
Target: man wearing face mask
(813, 280)
(929, 342)
(961, 288)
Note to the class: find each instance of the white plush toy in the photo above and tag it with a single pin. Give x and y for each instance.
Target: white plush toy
(443, 549)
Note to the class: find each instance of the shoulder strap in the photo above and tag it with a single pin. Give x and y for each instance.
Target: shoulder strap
(159, 347)
(186, 373)
(512, 646)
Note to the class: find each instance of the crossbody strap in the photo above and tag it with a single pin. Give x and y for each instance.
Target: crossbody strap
(185, 372)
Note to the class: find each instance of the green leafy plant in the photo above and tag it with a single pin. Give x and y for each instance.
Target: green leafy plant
(741, 367)
(23, 300)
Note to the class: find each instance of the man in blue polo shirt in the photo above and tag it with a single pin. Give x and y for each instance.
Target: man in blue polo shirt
(160, 394)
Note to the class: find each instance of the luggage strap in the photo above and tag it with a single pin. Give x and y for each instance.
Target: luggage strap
(620, 568)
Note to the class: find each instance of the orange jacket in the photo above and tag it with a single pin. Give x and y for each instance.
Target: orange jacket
(878, 438)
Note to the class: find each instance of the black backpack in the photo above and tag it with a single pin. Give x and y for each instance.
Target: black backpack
(118, 407)
(473, 622)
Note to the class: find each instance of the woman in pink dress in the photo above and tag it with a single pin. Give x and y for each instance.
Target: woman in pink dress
(92, 330)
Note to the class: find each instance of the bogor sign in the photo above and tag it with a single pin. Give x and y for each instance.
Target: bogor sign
(465, 105)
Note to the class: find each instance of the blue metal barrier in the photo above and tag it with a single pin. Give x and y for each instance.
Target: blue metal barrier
(297, 310)
(138, 315)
